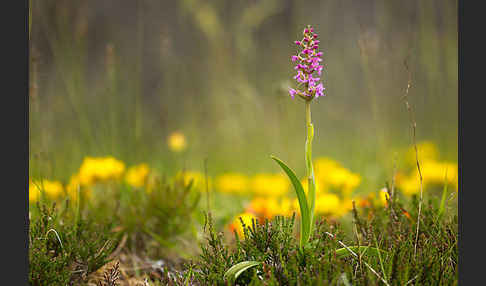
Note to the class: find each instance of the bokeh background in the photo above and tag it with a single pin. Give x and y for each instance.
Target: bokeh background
(117, 78)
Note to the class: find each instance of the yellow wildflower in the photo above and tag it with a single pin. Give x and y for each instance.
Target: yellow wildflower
(93, 170)
(269, 184)
(247, 218)
(353, 181)
(409, 185)
(268, 207)
(136, 176)
(153, 181)
(330, 174)
(364, 201)
(345, 206)
(198, 180)
(232, 183)
(34, 192)
(327, 204)
(177, 141)
(427, 150)
(343, 178)
(257, 206)
(323, 165)
(434, 172)
(73, 186)
(52, 189)
(320, 188)
(384, 197)
(286, 207)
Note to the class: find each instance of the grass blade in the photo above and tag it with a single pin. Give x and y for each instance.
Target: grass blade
(305, 226)
(372, 251)
(443, 200)
(239, 268)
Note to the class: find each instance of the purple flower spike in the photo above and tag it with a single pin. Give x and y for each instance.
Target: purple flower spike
(292, 92)
(308, 59)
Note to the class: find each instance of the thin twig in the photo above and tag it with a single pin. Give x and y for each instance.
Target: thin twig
(355, 255)
(119, 247)
(414, 126)
(410, 281)
(207, 182)
(394, 174)
(391, 192)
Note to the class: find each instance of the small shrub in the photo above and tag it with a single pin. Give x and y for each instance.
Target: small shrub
(325, 261)
(63, 251)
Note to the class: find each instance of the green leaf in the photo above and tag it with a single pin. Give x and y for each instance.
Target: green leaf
(364, 250)
(239, 268)
(305, 226)
(443, 200)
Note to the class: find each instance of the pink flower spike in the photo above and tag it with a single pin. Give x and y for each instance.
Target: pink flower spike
(307, 65)
(292, 92)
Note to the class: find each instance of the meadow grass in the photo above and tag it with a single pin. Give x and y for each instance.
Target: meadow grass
(66, 250)
(92, 98)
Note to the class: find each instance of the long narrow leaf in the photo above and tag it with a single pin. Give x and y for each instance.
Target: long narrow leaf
(305, 226)
(443, 199)
(239, 268)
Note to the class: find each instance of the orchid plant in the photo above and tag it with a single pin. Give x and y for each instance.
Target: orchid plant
(308, 60)
(308, 87)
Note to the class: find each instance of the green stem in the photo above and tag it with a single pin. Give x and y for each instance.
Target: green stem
(311, 196)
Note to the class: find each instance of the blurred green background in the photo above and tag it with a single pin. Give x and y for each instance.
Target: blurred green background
(117, 77)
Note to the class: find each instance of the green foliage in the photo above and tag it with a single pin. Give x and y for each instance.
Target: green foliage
(61, 252)
(73, 239)
(384, 246)
(239, 268)
(306, 223)
(161, 215)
